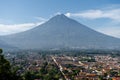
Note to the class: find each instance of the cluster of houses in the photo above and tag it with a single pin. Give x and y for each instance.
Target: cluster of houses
(96, 67)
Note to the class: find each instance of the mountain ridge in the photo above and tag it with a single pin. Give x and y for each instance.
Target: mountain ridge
(59, 32)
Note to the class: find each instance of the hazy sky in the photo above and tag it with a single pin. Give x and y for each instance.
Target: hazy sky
(20, 15)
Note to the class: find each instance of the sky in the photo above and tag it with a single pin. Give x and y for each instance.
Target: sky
(21, 15)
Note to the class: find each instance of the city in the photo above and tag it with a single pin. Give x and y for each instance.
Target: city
(61, 66)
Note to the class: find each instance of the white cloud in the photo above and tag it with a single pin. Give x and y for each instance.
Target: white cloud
(40, 18)
(113, 14)
(113, 31)
(57, 13)
(68, 14)
(15, 28)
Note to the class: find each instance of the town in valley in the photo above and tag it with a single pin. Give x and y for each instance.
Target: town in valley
(65, 65)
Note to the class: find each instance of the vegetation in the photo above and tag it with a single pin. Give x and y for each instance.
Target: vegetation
(5, 69)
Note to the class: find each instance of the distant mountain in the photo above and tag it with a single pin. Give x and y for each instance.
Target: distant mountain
(62, 32)
(5, 46)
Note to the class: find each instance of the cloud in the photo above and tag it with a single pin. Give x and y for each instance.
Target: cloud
(57, 13)
(40, 18)
(15, 28)
(113, 14)
(113, 31)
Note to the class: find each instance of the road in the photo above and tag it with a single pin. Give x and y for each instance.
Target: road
(60, 67)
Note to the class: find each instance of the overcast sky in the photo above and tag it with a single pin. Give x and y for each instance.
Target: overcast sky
(21, 15)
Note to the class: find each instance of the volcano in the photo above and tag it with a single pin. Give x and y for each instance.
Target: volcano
(62, 32)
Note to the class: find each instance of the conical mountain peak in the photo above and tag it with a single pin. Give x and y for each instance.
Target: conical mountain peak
(62, 32)
(59, 17)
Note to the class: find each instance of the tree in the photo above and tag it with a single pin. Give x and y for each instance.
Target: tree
(5, 69)
(1, 51)
(29, 76)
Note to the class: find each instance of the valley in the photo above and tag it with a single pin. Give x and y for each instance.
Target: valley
(47, 65)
